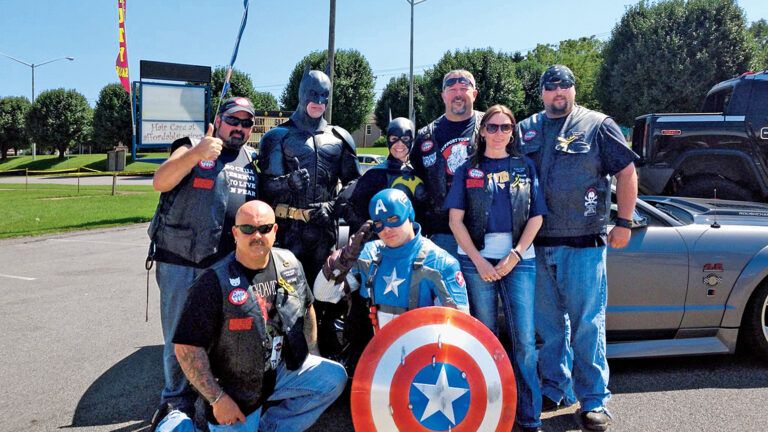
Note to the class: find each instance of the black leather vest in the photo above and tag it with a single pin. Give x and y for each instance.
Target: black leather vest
(237, 356)
(189, 219)
(577, 190)
(479, 199)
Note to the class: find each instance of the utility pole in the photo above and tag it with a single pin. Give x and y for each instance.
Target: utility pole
(411, 111)
(331, 57)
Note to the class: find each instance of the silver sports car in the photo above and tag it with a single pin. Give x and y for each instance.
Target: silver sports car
(693, 280)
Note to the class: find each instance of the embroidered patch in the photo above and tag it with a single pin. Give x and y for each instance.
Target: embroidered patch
(235, 282)
(455, 154)
(240, 324)
(429, 160)
(207, 164)
(460, 278)
(474, 183)
(288, 273)
(427, 146)
(475, 173)
(590, 202)
(202, 183)
(242, 102)
(238, 296)
(531, 134)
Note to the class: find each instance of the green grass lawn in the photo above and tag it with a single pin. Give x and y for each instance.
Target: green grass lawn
(56, 208)
(381, 151)
(93, 161)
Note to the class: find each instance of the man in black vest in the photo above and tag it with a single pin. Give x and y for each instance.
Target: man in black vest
(441, 147)
(302, 162)
(203, 184)
(244, 335)
(576, 151)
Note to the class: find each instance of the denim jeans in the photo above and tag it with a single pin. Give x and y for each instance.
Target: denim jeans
(174, 282)
(517, 290)
(304, 394)
(571, 290)
(447, 242)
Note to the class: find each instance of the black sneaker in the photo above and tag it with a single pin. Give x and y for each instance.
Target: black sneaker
(548, 404)
(159, 415)
(597, 420)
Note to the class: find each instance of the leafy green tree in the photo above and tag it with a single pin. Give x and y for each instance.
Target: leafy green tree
(112, 118)
(493, 71)
(395, 98)
(59, 119)
(528, 72)
(759, 32)
(352, 86)
(13, 134)
(664, 57)
(240, 84)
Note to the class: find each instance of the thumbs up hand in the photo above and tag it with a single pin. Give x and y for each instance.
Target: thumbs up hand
(209, 148)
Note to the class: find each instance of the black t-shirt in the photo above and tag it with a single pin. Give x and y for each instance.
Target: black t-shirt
(201, 319)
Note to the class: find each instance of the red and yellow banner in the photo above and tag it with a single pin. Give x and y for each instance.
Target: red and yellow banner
(121, 64)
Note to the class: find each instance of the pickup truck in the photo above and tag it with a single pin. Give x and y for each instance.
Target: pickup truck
(721, 152)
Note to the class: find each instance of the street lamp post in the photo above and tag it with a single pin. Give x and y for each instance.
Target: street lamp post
(411, 112)
(33, 66)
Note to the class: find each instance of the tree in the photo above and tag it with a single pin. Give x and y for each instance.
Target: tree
(395, 98)
(59, 119)
(528, 72)
(352, 86)
(240, 84)
(112, 118)
(13, 134)
(493, 71)
(583, 56)
(664, 57)
(759, 32)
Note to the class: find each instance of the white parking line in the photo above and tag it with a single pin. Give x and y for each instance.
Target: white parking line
(17, 277)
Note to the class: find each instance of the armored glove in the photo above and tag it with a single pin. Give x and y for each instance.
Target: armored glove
(298, 180)
(322, 213)
(338, 264)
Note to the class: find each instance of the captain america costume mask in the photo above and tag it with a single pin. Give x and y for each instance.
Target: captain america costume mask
(390, 208)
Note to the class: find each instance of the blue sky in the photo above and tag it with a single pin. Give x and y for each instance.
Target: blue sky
(278, 35)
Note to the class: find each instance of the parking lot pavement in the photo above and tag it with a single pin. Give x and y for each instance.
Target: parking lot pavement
(77, 353)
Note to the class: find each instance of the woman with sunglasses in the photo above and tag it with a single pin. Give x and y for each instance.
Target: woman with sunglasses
(495, 210)
(396, 172)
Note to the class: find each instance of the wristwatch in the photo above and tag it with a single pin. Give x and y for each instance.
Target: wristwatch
(624, 223)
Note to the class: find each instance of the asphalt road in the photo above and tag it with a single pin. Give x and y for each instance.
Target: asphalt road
(78, 355)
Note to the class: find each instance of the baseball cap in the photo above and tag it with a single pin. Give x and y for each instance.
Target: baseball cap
(236, 104)
(556, 73)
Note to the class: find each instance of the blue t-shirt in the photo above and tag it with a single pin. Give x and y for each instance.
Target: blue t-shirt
(499, 178)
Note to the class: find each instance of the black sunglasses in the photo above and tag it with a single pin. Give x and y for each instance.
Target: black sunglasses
(249, 229)
(405, 139)
(492, 128)
(549, 86)
(461, 80)
(234, 121)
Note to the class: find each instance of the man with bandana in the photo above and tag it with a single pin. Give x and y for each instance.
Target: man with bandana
(203, 184)
(576, 151)
(401, 271)
(396, 172)
(302, 161)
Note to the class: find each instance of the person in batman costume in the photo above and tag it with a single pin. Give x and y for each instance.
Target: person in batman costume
(396, 172)
(302, 161)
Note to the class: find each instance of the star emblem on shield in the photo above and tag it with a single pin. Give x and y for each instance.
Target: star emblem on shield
(434, 368)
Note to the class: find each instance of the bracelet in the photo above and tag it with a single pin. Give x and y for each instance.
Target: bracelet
(221, 393)
(517, 254)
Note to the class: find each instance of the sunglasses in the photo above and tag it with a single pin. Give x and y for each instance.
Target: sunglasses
(248, 229)
(492, 128)
(460, 80)
(234, 121)
(405, 139)
(549, 86)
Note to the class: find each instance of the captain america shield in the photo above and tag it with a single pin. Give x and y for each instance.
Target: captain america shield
(434, 369)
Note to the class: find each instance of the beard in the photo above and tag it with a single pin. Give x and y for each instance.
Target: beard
(235, 140)
(459, 110)
(559, 108)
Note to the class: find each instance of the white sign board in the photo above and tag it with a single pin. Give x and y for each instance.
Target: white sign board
(170, 112)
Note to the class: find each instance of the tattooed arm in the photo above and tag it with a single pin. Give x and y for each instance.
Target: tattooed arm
(194, 362)
(310, 330)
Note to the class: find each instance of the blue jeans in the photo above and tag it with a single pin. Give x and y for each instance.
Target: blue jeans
(174, 282)
(571, 290)
(304, 394)
(517, 290)
(447, 242)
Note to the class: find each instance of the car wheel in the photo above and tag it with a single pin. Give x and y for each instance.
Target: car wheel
(704, 187)
(754, 331)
